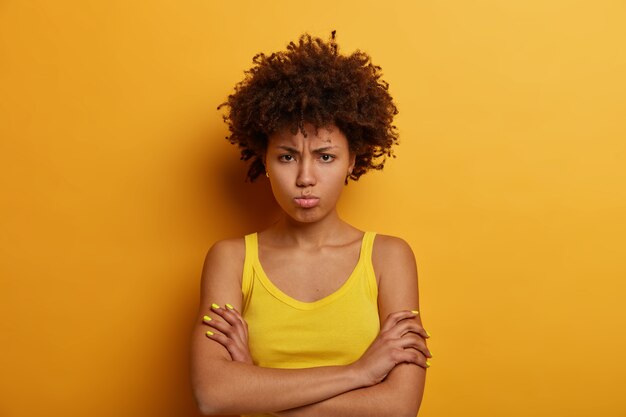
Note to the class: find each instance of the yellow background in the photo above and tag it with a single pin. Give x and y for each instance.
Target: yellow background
(510, 185)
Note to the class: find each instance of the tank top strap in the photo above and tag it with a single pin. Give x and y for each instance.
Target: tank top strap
(367, 249)
(252, 253)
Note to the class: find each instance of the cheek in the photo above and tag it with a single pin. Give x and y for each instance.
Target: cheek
(280, 190)
(336, 185)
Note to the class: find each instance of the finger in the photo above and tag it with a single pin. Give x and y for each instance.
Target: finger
(412, 356)
(233, 344)
(225, 341)
(405, 326)
(226, 313)
(425, 332)
(217, 323)
(232, 317)
(414, 341)
(242, 326)
(393, 318)
(223, 327)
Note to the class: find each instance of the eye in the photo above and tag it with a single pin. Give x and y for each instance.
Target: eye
(285, 158)
(327, 157)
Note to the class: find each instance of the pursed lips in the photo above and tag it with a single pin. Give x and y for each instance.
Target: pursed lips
(307, 201)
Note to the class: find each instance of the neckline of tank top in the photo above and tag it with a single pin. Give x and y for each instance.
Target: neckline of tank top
(310, 305)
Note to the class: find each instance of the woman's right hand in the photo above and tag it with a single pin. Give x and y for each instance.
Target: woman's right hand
(401, 339)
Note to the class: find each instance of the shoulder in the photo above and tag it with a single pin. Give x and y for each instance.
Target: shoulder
(222, 273)
(391, 250)
(227, 248)
(393, 257)
(225, 258)
(396, 271)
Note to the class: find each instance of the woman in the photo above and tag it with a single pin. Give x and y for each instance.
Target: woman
(310, 317)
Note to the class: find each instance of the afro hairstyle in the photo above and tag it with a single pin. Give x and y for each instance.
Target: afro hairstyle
(311, 82)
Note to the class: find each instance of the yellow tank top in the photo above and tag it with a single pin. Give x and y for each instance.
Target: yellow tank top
(287, 333)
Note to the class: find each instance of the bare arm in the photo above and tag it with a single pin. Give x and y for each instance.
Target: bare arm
(224, 386)
(400, 394)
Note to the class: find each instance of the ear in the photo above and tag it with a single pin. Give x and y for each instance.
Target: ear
(352, 162)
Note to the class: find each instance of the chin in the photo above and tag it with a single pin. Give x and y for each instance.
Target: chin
(306, 219)
(306, 216)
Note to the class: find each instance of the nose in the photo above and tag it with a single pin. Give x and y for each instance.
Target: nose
(306, 173)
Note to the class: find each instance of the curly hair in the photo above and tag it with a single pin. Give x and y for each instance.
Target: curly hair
(312, 83)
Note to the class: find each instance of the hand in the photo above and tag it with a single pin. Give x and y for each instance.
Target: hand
(401, 339)
(234, 332)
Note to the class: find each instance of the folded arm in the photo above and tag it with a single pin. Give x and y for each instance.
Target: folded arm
(394, 397)
(400, 394)
(226, 386)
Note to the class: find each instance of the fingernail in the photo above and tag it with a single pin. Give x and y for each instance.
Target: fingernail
(415, 312)
(427, 334)
(229, 306)
(427, 364)
(209, 333)
(206, 318)
(215, 305)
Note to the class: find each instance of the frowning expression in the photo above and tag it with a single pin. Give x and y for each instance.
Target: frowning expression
(307, 174)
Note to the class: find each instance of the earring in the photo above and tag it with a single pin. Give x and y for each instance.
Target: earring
(267, 174)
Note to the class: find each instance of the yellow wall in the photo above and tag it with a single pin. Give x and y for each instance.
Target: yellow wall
(509, 184)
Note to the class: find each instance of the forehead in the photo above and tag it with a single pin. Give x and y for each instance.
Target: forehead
(325, 136)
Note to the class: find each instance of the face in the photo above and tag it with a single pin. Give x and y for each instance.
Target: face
(308, 174)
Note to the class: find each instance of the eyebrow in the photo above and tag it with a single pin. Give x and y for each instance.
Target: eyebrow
(318, 150)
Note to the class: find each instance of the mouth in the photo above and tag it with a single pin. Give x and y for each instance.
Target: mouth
(306, 202)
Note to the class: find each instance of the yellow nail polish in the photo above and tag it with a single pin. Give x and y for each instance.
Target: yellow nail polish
(415, 312)
(215, 305)
(229, 306)
(427, 334)
(207, 318)
(209, 333)
(427, 364)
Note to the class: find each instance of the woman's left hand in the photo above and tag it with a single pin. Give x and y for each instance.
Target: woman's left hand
(233, 332)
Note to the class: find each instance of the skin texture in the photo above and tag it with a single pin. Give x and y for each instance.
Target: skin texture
(388, 379)
(319, 164)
